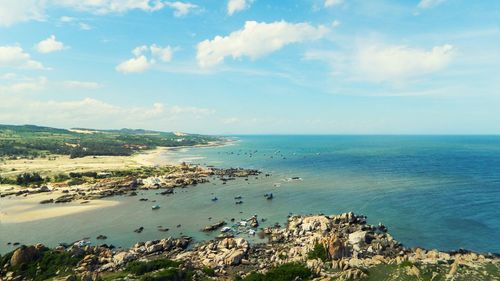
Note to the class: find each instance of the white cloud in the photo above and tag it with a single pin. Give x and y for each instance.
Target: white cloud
(15, 57)
(165, 54)
(90, 112)
(66, 19)
(391, 63)
(73, 84)
(141, 62)
(331, 3)
(24, 85)
(16, 11)
(84, 26)
(336, 23)
(425, 4)
(49, 45)
(110, 6)
(134, 65)
(181, 8)
(8, 76)
(234, 6)
(255, 40)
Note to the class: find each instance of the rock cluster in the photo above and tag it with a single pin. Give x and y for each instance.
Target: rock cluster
(347, 244)
(218, 254)
(181, 176)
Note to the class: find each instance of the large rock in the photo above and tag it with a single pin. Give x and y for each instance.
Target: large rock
(25, 255)
(316, 222)
(357, 239)
(123, 257)
(234, 257)
(336, 247)
(154, 248)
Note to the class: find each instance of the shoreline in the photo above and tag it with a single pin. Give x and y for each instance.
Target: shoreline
(20, 209)
(325, 247)
(146, 158)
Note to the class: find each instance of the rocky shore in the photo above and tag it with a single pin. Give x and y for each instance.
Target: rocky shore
(337, 247)
(105, 184)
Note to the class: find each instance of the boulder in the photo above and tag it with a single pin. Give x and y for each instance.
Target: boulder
(24, 255)
(154, 248)
(335, 247)
(234, 257)
(316, 222)
(123, 257)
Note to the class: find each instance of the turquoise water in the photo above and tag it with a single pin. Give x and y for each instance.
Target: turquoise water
(431, 191)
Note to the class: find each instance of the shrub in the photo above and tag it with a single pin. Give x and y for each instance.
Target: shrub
(285, 272)
(61, 177)
(171, 274)
(318, 252)
(76, 181)
(28, 178)
(208, 271)
(140, 267)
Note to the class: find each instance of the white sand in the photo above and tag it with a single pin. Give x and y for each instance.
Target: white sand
(16, 209)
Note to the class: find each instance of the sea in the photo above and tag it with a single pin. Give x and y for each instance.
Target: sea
(436, 192)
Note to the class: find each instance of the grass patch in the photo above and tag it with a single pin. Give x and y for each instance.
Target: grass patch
(170, 274)
(285, 272)
(141, 267)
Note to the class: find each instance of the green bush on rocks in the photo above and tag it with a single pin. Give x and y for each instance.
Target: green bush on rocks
(285, 272)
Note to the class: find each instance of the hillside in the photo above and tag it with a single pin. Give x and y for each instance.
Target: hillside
(37, 141)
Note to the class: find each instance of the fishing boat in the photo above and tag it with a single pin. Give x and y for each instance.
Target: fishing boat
(155, 207)
(225, 229)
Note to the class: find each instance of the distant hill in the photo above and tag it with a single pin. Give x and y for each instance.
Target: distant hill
(35, 141)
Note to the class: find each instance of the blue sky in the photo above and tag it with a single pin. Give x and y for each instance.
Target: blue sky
(245, 67)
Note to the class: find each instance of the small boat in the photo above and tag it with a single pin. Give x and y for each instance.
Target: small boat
(251, 232)
(215, 199)
(269, 196)
(82, 243)
(225, 229)
(155, 207)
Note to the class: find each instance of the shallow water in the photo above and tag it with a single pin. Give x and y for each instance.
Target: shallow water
(431, 191)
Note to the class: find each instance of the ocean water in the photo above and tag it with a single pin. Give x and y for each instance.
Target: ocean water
(438, 192)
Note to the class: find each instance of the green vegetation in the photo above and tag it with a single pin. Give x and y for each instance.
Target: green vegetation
(75, 181)
(285, 272)
(170, 274)
(155, 270)
(319, 252)
(77, 178)
(61, 177)
(208, 271)
(33, 141)
(29, 179)
(141, 268)
(48, 264)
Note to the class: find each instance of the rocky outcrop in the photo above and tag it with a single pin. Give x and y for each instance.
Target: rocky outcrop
(26, 254)
(218, 254)
(214, 226)
(345, 247)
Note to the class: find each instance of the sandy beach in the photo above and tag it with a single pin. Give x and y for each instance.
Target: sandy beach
(64, 164)
(17, 209)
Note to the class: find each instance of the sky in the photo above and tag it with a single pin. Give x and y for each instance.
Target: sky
(253, 66)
